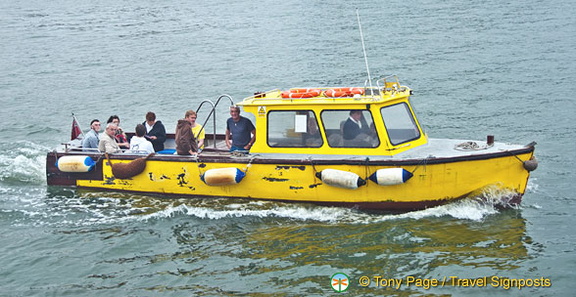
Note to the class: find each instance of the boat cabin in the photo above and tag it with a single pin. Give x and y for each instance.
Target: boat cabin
(336, 121)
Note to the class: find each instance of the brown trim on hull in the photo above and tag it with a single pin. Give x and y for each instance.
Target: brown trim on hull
(55, 177)
(387, 206)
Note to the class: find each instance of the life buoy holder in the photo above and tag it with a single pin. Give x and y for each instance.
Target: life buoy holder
(343, 92)
(301, 93)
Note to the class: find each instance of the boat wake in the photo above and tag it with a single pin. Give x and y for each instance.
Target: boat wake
(23, 163)
(72, 207)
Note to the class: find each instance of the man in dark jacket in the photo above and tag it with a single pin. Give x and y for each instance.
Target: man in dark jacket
(155, 131)
(356, 131)
(185, 141)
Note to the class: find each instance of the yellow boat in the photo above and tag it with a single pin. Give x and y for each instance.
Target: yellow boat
(303, 153)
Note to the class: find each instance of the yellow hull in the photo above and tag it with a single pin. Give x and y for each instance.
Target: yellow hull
(432, 183)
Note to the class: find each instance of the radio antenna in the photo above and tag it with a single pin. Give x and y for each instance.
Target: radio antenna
(364, 49)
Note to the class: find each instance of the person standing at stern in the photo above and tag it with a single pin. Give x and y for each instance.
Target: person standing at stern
(198, 131)
(185, 141)
(155, 131)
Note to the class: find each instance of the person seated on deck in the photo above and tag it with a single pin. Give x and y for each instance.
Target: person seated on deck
(240, 132)
(107, 143)
(90, 141)
(312, 136)
(356, 131)
(185, 141)
(139, 144)
(120, 136)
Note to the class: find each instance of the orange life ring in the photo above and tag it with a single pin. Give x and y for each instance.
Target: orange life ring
(301, 93)
(343, 92)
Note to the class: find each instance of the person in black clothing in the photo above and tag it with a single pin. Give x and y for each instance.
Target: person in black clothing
(355, 125)
(356, 130)
(155, 131)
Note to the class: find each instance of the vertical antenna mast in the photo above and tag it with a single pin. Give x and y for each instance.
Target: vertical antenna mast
(364, 49)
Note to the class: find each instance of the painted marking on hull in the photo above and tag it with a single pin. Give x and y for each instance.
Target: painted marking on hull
(288, 167)
(181, 181)
(272, 179)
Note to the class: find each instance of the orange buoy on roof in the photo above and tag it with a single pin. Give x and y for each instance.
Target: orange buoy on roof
(343, 92)
(301, 93)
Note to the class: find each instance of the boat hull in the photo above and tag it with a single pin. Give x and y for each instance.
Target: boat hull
(435, 181)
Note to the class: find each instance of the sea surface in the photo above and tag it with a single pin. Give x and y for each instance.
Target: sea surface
(504, 68)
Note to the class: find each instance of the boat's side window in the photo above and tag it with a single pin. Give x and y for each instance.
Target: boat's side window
(293, 129)
(349, 128)
(400, 123)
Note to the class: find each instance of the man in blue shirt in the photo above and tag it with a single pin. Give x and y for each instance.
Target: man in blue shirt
(240, 132)
(91, 139)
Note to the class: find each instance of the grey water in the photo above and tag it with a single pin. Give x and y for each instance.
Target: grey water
(477, 68)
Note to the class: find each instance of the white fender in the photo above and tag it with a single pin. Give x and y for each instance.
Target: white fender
(75, 163)
(390, 176)
(223, 176)
(341, 179)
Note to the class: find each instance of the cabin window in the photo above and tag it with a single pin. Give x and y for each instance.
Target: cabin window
(293, 129)
(349, 128)
(400, 123)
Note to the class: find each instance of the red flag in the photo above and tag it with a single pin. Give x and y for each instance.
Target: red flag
(76, 131)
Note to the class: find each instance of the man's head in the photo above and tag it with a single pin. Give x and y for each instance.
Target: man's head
(95, 125)
(111, 129)
(235, 112)
(150, 118)
(356, 114)
(190, 116)
(140, 130)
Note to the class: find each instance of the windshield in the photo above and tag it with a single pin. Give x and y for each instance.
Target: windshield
(399, 123)
(349, 128)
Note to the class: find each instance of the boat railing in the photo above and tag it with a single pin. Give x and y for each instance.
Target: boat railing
(212, 114)
(78, 149)
(369, 90)
(389, 83)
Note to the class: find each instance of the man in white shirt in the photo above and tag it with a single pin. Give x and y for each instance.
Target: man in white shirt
(139, 144)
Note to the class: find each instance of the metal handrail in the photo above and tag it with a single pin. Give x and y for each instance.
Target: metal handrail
(214, 105)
